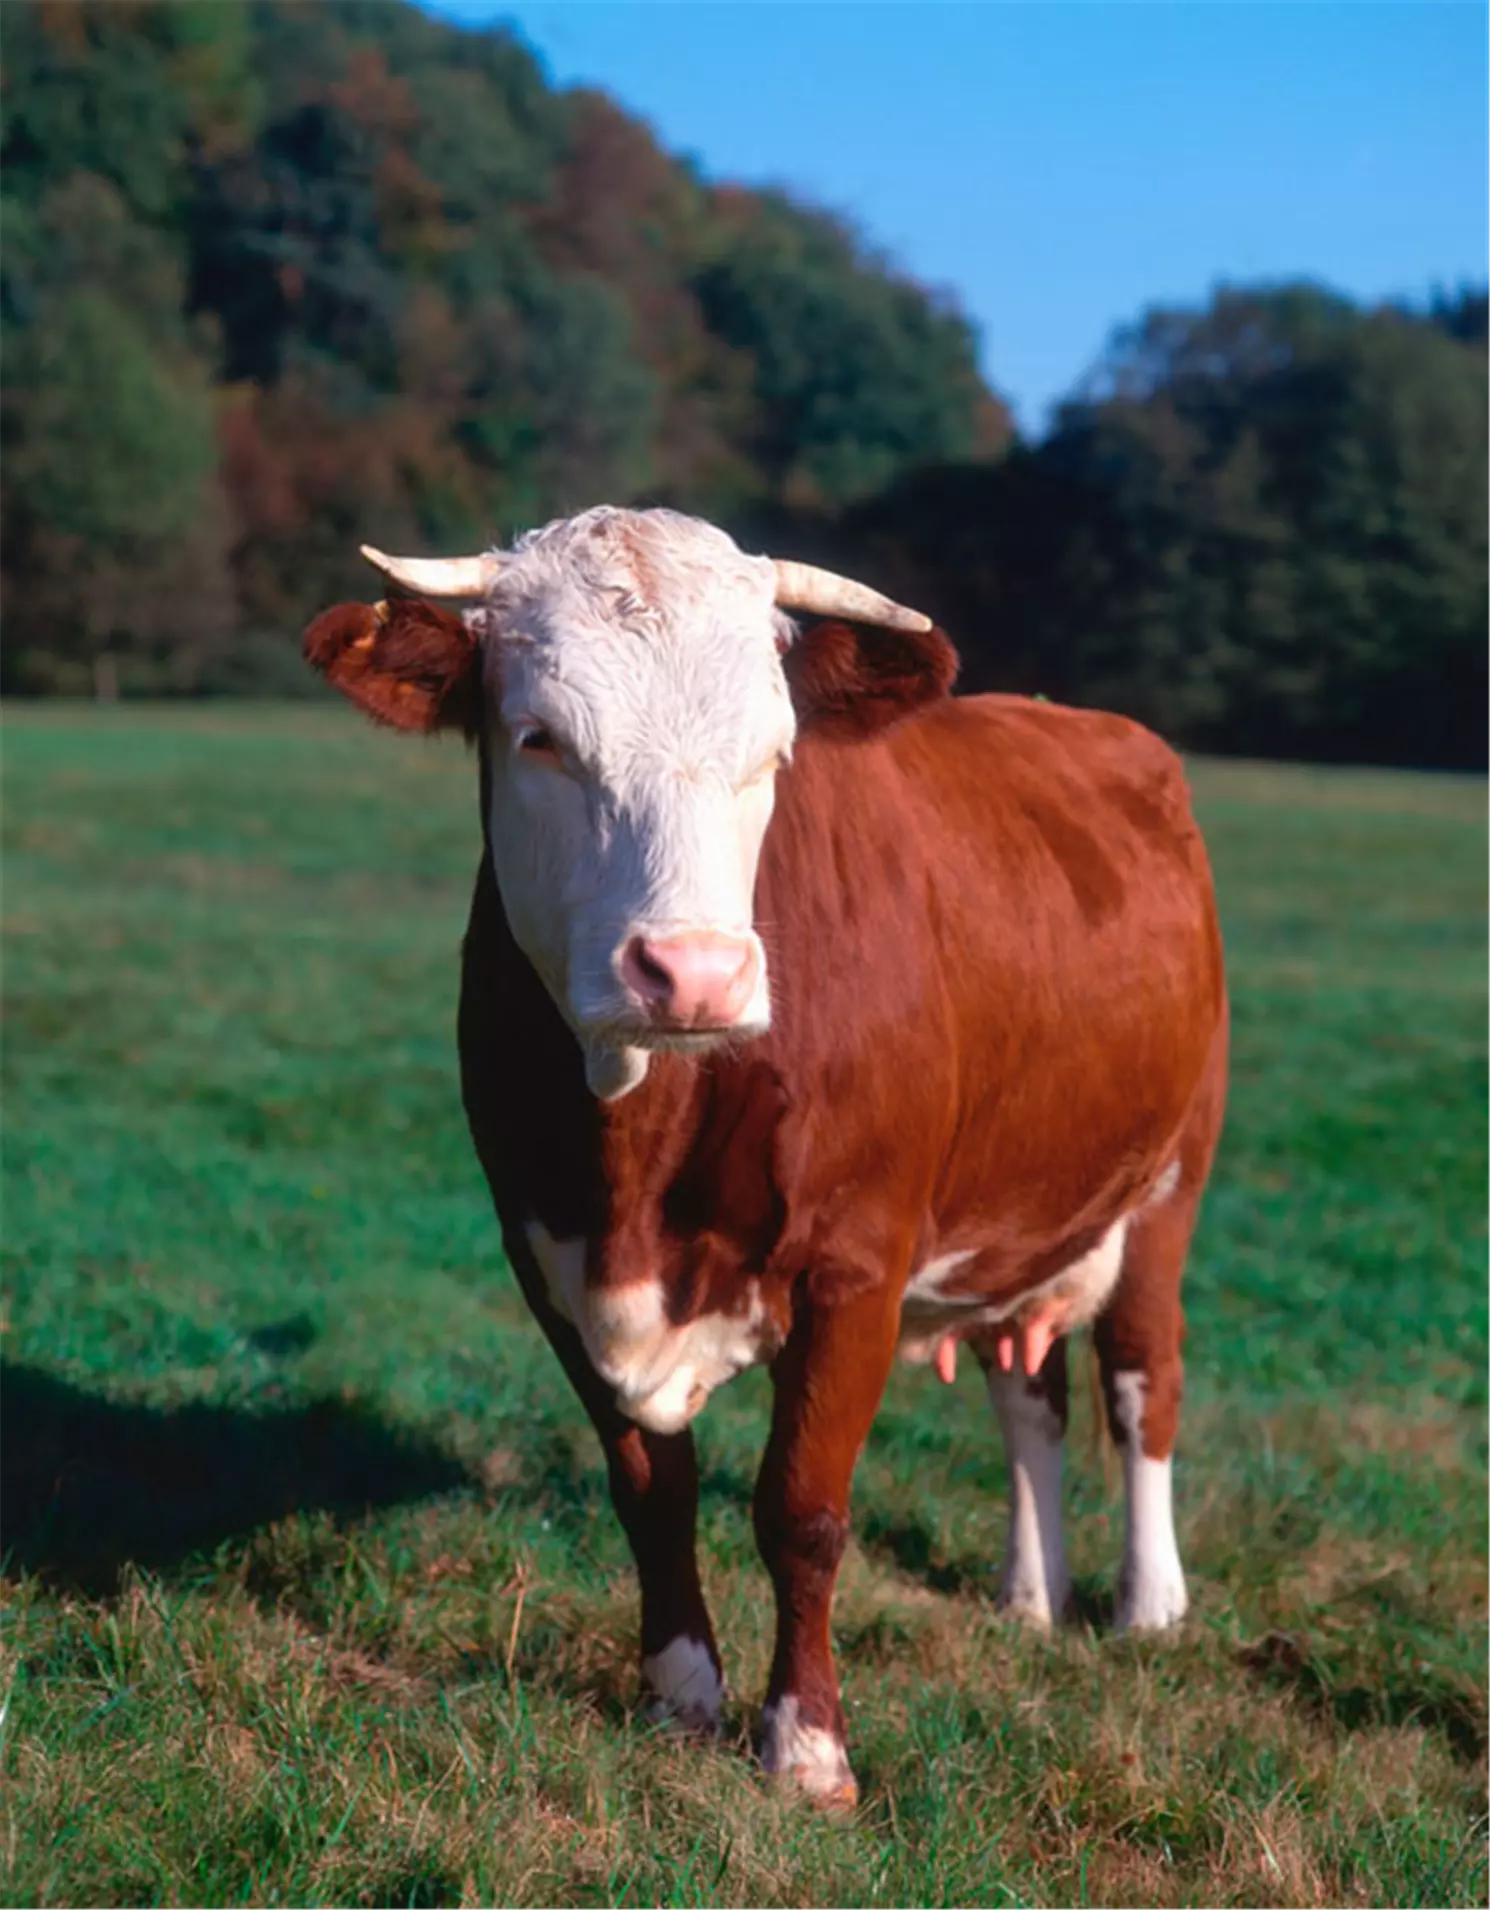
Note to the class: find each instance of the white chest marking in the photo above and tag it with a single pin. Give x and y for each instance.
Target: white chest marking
(562, 1264)
(662, 1373)
(1082, 1289)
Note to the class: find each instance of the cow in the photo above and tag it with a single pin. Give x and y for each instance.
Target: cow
(810, 1013)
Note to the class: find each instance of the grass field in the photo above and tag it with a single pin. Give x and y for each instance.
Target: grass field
(313, 1594)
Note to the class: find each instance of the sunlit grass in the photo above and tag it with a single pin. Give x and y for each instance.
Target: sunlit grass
(314, 1594)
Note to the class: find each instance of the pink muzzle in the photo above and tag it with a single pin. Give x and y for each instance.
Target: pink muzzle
(691, 983)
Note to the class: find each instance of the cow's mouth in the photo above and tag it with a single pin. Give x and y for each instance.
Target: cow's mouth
(659, 1038)
(624, 1027)
(618, 1049)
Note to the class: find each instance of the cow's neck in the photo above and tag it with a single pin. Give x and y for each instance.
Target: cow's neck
(681, 1175)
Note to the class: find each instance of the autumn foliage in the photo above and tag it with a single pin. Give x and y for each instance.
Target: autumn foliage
(282, 278)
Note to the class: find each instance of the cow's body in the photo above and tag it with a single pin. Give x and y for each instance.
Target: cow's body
(984, 1109)
(916, 1144)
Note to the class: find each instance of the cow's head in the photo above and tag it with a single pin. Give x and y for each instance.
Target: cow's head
(636, 684)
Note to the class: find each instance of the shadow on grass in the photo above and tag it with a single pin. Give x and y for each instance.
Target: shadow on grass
(1280, 1659)
(910, 1546)
(903, 1543)
(1093, 1603)
(89, 1485)
(423, 1889)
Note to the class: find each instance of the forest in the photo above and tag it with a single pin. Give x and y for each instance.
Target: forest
(280, 278)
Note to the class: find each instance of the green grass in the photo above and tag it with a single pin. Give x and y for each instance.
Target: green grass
(313, 1594)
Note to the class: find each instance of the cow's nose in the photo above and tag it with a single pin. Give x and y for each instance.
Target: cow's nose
(697, 981)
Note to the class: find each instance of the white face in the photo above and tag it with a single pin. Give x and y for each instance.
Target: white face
(640, 713)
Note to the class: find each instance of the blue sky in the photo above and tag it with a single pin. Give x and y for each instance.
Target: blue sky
(1059, 165)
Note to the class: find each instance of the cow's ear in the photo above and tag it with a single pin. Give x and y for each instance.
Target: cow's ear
(849, 680)
(404, 662)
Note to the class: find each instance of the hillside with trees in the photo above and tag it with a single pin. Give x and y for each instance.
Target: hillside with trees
(282, 277)
(279, 278)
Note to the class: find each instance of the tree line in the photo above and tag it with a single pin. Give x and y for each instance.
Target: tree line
(1261, 527)
(279, 278)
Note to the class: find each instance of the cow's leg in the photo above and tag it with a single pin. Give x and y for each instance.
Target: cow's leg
(654, 1488)
(828, 1380)
(1138, 1339)
(1032, 1416)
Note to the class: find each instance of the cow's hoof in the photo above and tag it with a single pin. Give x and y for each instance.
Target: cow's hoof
(808, 1756)
(1153, 1603)
(691, 1721)
(1032, 1612)
(839, 1801)
(1033, 1605)
(687, 1692)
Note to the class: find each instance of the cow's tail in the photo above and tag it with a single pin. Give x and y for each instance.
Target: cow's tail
(1102, 1448)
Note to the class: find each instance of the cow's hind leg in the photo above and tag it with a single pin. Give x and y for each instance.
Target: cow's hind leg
(1139, 1351)
(1032, 1416)
(1139, 1338)
(1138, 1347)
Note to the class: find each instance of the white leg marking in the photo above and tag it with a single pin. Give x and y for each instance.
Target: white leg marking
(1151, 1586)
(685, 1682)
(814, 1757)
(1035, 1582)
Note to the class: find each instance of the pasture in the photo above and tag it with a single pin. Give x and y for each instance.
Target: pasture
(312, 1591)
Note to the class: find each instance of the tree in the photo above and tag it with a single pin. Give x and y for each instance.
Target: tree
(1260, 527)
(855, 375)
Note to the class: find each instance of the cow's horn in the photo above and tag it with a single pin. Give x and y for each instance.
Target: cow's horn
(805, 587)
(461, 578)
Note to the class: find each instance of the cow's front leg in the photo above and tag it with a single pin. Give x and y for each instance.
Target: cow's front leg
(654, 1488)
(828, 1380)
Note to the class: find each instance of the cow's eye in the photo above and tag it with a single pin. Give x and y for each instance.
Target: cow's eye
(777, 760)
(538, 742)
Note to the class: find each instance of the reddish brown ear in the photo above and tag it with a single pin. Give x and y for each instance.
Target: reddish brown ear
(404, 662)
(849, 680)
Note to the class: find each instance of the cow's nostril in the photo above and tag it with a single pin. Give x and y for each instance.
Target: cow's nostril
(645, 973)
(649, 966)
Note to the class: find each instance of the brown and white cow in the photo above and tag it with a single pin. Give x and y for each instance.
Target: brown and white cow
(807, 1014)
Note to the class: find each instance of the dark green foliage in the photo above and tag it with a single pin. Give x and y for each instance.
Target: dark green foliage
(1464, 314)
(280, 278)
(1261, 528)
(856, 376)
